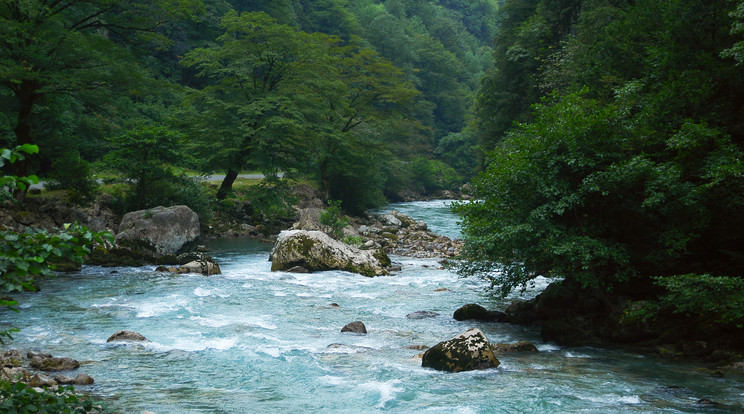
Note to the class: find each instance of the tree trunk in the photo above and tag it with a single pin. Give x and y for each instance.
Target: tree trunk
(27, 94)
(227, 183)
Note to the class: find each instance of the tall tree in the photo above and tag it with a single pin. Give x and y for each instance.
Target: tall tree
(65, 48)
(256, 70)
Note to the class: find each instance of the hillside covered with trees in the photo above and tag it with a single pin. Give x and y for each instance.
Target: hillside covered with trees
(616, 141)
(367, 99)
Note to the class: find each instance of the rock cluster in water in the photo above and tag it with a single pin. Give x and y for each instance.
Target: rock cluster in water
(397, 233)
(35, 369)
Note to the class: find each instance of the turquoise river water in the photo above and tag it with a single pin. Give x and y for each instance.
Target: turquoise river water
(253, 341)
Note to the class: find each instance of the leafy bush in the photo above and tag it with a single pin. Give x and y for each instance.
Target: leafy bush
(333, 219)
(23, 399)
(143, 156)
(433, 175)
(719, 299)
(9, 183)
(28, 255)
(272, 198)
(71, 172)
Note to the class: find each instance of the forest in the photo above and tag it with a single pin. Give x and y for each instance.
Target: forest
(614, 135)
(601, 141)
(364, 98)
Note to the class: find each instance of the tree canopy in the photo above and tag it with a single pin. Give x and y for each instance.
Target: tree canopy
(630, 166)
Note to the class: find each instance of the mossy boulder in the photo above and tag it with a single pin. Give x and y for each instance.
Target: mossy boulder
(316, 251)
(466, 352)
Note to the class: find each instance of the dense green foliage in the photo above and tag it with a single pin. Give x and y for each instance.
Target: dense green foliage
(706, 297)
(19, 398)
(347, 94)
(32, 253)
(630, 165)
(332, 217)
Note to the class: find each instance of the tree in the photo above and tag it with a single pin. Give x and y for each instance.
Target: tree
(256, 70)
(635, 177)
(67, 48)
(148, 157)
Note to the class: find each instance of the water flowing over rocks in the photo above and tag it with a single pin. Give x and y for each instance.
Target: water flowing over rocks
(397, 233)
(468, 351)
(160, 230)
(316, 251)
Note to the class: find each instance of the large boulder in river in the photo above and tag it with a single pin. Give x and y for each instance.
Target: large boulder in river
(162, 230)
(316, 251)
(468, 351)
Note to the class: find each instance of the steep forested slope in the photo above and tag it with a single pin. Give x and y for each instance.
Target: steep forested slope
(626, 176)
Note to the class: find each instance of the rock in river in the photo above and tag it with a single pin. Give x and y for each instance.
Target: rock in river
(127, 336)
(316, 251)
(164, 230)
(468, 351)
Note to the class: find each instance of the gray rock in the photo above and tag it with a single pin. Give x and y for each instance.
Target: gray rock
(309, 219)
(41, 380)
(391, 220)
(298, 269)
(64, 379)
(161, 230)
(15, 374)
(54, 364)
(83, 379)
(521, 346)
(468, 351)
(201, 267)
(355, 327)
(477, 312)
(126, 336)
(316, 251)
(422, 315)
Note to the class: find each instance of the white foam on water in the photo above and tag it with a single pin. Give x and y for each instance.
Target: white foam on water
(269, 350)
(332, 380)
(210, 322)
(169, 304)
(263, 321)
(194, 344)
(613, 399)
(569, 354)
(386, 389)
(202, 292)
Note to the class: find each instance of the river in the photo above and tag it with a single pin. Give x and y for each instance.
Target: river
(253, 341)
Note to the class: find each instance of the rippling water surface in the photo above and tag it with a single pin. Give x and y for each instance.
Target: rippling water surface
(250, 340)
